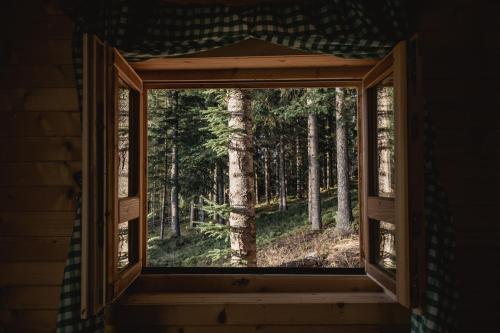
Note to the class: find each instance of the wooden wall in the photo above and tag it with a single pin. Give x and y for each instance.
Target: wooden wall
(461, 55)
(40, 148)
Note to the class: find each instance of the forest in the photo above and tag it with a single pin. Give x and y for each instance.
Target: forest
(252, 178)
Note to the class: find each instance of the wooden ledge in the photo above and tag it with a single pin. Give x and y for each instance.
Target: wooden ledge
(253, 298)
(252, 283)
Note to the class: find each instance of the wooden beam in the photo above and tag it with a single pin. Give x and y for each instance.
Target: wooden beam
(253, 283)
(255, 84)
(270, 62)
(250, 75)
(287, 312)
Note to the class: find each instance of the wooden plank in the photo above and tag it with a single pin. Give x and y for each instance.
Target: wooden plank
(401, 165)
(30, 321)
(379, 72)
(31, 273)
(56, 198)
(255, 298)
(260, 314)
(270, 62)
(46, 124)
(39, 99)
(37, 76)
(126, 72)
(38, 173)
(40, 7)
(42, 297)
(41, 223)
(40, 149)
(17, 249)
(39, 26)
(252, 283)
(129, 209)
(323, 73)
(381, 209)
(30, 318)
(38, 52)
(256, 84)
(265, 329)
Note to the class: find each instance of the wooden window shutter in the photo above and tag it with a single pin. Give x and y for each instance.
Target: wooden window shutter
(113, 174)
(385, 170)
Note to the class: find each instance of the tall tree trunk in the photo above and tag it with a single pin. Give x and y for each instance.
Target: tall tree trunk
(164, 201)
(331, 148)
(266, 176)
(314, 181)
(242, 215)
(220, 189)
(281, 171)
(174, 176)
(344, 220)
(192, 213)
(328, 169)
(256, 180)
(298, 168)
(201, 211)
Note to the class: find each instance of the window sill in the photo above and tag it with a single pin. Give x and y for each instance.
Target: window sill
(251, 301)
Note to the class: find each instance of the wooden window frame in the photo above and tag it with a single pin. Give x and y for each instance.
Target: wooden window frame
(117, 282)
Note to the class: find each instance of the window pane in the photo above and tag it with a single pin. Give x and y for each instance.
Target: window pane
(123, 245)
(123, 141)
(386, 256)
(385, 138)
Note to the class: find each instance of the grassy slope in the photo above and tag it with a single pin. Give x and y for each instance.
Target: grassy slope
(283, 238)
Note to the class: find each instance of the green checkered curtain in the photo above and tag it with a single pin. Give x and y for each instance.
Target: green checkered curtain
(152, 29)
(441, 295)
(68, 317)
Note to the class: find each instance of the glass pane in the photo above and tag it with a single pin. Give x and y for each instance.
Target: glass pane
(123, 141)
(123, 245)
(387, 246)
(385, 138)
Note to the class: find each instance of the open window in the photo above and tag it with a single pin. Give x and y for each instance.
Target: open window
(391, 180)
(112, 207)
(115, 129)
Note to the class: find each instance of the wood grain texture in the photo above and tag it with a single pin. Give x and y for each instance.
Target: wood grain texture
(38, 99)
(36, 223)
(43, 124)
(267, 329)
(29, 298)
(245, 283)
(32, 149)
(43, 198)
(261, 314)
(28, 249)
(38, 173)
(31, 273)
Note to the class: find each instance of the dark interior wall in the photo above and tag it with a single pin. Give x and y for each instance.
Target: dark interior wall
(461, 60)
(40, 148)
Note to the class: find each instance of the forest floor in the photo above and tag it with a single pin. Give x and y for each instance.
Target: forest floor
(284, 239)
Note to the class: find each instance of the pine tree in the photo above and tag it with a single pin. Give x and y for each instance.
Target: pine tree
(344, 215)
(242, 214)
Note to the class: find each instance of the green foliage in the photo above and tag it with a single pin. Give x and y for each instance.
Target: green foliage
(213, 209)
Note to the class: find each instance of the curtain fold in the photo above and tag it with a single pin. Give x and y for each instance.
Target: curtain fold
(345, 28)
(441, 295)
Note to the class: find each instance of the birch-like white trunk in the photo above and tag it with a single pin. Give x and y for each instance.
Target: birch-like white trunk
(241, 196)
